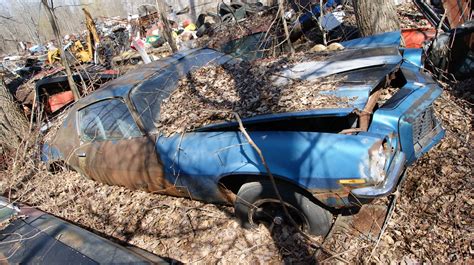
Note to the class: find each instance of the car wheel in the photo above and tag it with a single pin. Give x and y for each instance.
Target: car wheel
(258, 203)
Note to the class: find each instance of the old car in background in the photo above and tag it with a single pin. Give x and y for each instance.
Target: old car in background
(324, 160)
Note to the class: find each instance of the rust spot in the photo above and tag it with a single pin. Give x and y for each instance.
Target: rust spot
(335, 198)
(368, 221)
(227, 194)
(131, 163)
(172, 190)
(367, 111)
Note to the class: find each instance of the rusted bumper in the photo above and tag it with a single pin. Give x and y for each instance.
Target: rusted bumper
(389, 185)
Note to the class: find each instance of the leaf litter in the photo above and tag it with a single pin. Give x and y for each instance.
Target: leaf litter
(432, 222)
(211, 94)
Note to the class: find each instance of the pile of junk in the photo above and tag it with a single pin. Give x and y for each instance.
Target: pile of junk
(111, 46)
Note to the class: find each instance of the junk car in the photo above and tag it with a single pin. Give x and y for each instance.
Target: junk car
(323, 160)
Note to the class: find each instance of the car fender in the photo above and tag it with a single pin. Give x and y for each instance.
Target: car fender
(310, 160)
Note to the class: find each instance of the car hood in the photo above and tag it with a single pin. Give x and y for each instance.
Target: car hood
(361, 71)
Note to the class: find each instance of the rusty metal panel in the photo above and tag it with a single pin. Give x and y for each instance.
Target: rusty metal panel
(39, 238)
(457, 11)
(358, 229)
(131, 163)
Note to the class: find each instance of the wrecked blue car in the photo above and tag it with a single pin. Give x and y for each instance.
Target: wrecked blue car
(324, 160)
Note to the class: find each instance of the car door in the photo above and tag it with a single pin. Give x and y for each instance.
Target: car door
(113, 150)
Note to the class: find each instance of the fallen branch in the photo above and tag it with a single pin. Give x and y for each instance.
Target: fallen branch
(285, 26)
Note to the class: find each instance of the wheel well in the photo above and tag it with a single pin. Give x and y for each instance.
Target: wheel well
(234, 182)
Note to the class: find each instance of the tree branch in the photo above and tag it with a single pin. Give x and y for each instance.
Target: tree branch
(277, 192)
(7, 18)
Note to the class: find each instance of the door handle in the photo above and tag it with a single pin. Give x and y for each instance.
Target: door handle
(81, 154)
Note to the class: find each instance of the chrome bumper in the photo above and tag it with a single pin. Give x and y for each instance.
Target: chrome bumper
(389, 185)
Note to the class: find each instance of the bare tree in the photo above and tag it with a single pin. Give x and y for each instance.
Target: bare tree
(281, 8)
(52, 19)
(376, 16)
(162, 11)
(13, 124)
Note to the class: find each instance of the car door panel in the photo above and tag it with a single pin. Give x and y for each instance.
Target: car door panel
(131, 163)
(114, 151)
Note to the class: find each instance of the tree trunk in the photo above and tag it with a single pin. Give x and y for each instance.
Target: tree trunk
(162, 11)
(54, 25)
(376, 16)
(13, 124)
(281, 7)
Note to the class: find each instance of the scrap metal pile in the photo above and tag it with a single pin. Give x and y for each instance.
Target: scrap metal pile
(212, 93)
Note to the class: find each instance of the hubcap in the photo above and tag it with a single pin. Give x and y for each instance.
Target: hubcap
(270, 211)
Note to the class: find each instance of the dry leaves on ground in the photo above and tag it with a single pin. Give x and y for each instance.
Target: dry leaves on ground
(210, 95)
(432, 221)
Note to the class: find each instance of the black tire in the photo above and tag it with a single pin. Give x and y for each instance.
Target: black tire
(257, 203)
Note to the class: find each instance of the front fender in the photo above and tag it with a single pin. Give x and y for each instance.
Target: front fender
(313, 161)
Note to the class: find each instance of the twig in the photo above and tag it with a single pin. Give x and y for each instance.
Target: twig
(285, 26)
(437, 33)
(26, 238)
(252, 248)
(269, 28)
(320, 23)
(7, 18)
(335, 256)
(389, 216)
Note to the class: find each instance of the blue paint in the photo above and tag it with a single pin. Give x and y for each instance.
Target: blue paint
(380, 40)
(412, 58)
(309, 159)
(316, 10)
(401, 118)
(312, 160)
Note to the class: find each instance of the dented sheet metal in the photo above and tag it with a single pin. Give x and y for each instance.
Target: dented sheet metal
(100, 161)
(40, 238)
(348, 60)
(387, 39)
(360, 71)
(312, 160)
